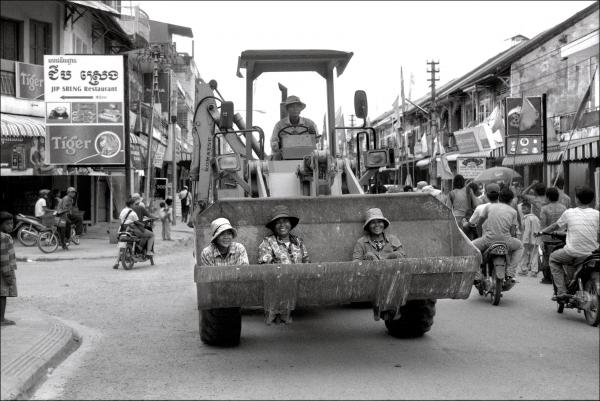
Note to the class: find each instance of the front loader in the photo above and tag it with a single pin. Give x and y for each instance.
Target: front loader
(325, 191)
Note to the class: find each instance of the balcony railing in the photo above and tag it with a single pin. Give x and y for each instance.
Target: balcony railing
(135, 21)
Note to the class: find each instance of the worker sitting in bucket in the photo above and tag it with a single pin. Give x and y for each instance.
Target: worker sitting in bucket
(376, 244)
(282, 247)
(293, 124)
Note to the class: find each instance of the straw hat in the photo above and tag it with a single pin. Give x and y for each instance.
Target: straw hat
(219, 225)
(375, 214)
(292, 100)
(278, 212)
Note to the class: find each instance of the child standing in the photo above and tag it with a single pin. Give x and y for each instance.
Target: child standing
(531, 225)
(8, 264)
(166, 219)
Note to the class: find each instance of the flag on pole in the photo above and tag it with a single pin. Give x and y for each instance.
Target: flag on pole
(529, 115)
(495, 120)
(397, 126)
(583, 103)
(408, 180)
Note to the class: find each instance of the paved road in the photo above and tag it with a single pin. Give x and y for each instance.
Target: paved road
(140, 341)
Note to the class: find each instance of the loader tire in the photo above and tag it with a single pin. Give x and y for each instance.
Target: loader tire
(221, 327)
(416, 319)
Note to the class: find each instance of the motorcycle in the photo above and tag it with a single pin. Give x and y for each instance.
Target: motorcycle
(583, 287)
(132, 249)
(493, 268)
(27, 229)
(49, 238)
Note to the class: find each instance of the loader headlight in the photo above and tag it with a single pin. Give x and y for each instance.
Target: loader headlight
(376, 158)
(228, 162)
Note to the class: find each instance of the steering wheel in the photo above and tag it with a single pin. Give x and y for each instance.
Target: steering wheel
(293, 130)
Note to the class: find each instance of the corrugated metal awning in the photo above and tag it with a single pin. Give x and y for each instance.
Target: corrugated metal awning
(583, 149)
(520, 160)
(26, 126)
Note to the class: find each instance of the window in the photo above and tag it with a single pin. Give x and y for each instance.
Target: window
(40, 39)
(10, 40)
(79, 45)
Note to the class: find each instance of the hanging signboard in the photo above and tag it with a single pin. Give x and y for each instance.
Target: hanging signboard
(84, 97)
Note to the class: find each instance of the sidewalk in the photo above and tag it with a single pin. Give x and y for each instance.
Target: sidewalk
(95, 245)
(38, 342)
(35, 345)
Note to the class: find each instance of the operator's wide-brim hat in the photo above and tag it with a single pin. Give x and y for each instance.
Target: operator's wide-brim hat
(278, 212)
(218, 226)
(294, 100)
(375, 214)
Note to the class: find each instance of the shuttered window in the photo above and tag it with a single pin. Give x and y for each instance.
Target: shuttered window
(40, 39)
(9, 40)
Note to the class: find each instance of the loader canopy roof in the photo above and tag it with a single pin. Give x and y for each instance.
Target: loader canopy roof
(258, 61)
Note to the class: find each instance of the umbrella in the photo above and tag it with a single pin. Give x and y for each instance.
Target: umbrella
(497, 175)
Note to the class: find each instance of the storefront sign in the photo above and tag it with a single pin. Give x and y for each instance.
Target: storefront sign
(470, 167)
(29, 81)
(84, 109)
(467, 141)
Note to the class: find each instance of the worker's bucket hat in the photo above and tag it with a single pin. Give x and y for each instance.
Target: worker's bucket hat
(278, 212)
(294, 100)
(218, 226)
(71, 189)
(375, 214)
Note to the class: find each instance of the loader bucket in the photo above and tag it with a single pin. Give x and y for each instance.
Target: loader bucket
(441, 262)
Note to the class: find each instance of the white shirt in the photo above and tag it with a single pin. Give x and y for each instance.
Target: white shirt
(130, 218)
(582, 230)
(477, 213)
(39, 207)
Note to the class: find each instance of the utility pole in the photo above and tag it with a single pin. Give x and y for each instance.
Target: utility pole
(433, 116)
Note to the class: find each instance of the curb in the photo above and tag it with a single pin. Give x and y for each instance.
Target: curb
(178, 242)
(21, 375)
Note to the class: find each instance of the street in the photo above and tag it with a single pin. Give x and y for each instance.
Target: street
(140, 341)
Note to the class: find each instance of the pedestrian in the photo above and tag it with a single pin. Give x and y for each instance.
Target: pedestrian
(563, 198)
(8, 265)
(166, 219)
(461, 200)
(67, 204)
(186, 201)
(531, 225)
(282, 246)
(55, 199)
(537, 198)
(376, 244)
(222, 251)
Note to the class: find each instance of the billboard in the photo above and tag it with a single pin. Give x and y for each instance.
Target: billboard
(524, 125)
(29, 81)
(85, 100)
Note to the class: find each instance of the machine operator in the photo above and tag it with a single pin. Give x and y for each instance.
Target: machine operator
(291, 125)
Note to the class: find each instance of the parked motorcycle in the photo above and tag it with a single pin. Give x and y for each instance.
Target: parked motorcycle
(131, 247)
(48, 238)
(27, 229)
(584, 287)
(493, 269)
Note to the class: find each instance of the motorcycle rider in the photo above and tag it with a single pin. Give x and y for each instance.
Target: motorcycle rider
(41, 205)
(131, 222)
(581, 223)
(499, 223)
(492, 192)
(140, 209)
(550, 214)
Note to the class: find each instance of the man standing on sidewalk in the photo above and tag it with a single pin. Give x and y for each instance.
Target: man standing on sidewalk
(186, 201)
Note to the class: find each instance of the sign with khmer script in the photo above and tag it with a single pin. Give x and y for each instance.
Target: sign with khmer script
(85, 97)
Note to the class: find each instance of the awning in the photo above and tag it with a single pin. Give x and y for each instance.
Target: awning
(17, 125)
(96, 5)
(520, 160)
(583, 149)
(452, 156)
